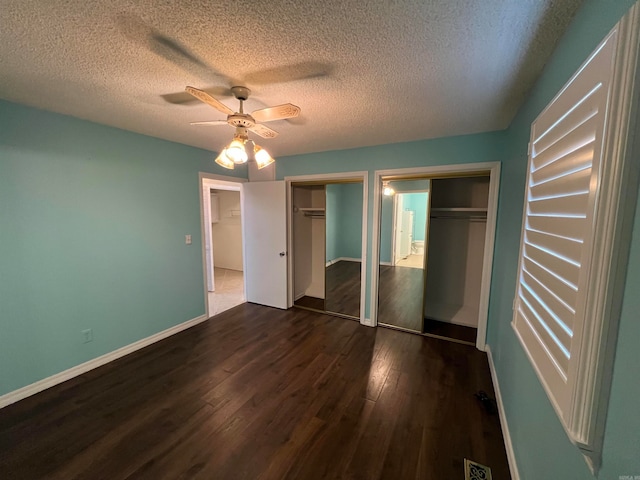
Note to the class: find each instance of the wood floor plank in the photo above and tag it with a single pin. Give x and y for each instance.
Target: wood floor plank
(258, 392)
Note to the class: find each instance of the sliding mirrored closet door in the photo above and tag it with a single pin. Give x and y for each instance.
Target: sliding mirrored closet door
(403, 236)
(432, 237)
(343, 248)
(327, 247)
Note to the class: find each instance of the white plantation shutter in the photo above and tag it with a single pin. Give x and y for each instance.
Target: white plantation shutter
(562, 184)
(572, 233)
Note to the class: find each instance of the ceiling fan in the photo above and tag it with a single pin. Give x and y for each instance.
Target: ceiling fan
(241, 120)
(241, 149)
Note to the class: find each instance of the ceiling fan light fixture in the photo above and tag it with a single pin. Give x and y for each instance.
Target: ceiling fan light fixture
(263, 158)
(236, 152)
(225, 161)
(387, 190)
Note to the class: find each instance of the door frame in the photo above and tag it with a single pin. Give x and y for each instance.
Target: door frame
(463, 169)
(359, 176)
(218, 182)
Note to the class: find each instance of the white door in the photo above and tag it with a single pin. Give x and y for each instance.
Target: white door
(398, 208)
(406, 235)
(264, 227)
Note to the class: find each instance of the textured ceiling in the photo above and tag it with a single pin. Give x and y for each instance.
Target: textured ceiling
(363, 72)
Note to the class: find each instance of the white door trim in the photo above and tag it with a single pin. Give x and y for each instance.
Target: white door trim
(493, 168)
(360, 176)
(219, 182)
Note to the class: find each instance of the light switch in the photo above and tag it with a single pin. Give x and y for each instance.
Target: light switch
(187, 239)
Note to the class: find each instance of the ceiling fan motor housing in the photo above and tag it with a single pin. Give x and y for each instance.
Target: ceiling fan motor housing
(241, 120)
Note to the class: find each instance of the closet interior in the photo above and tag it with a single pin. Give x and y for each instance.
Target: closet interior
(438, 294)
(309, 227)
(326, 247)
(457, 231)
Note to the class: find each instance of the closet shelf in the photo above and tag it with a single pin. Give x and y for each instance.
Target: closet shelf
(313, 212)
(459, 213)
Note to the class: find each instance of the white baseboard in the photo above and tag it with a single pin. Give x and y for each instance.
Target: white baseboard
(40, 385)
(342, 259)
(511, 457)
(386, 264)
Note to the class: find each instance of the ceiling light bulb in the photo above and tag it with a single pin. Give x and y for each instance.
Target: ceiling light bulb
(387, 190)
(224, 161)
(235, 151)
(262, 157)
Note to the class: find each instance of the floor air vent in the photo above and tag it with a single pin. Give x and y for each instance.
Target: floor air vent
(475, 471)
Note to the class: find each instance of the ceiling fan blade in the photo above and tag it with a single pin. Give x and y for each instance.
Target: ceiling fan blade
(183, 98)
(210, 123)
(209, 100)
(289, 73)
(279, 112)
(264, 132)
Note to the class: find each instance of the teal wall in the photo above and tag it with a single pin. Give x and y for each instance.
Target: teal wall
(484, 147)
(542, 448)
(343, 220)
(92, 226)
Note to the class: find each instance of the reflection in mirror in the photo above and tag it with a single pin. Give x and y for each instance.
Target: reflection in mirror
(403, 233)
(343, 248)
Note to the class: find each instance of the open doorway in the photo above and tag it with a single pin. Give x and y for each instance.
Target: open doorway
(409, 228)
(223, 244)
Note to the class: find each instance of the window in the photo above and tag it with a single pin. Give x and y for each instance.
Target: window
(580, 192)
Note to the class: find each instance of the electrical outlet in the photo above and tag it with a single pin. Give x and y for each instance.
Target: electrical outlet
(87, 335)
(187, 239)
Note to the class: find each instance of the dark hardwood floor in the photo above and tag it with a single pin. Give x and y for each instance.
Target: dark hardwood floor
(400, 293)
(310, 302)
(261, 393)
(342, 288)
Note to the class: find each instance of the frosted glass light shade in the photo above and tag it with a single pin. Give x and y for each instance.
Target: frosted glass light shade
(225, 161)
(262, 157)
(236, 152)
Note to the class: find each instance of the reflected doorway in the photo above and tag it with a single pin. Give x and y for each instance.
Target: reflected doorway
(403, 233)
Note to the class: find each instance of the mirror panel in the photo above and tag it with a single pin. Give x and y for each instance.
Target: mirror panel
(403, 236)
(343, 255)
